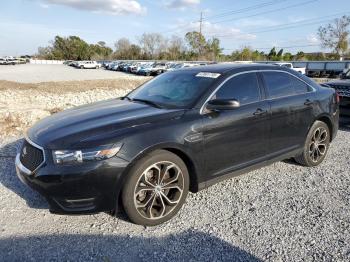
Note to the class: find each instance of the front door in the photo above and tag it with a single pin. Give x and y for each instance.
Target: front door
(234, 139)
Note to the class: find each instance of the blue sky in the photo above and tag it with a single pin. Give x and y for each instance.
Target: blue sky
(27, 24)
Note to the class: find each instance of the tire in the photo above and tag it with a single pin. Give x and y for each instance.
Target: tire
(157, 201)
(316, 145)
(82, 67)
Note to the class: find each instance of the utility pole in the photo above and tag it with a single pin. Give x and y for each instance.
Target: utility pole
(200, 34)
(200, 23)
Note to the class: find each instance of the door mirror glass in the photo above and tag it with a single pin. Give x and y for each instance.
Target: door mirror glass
(223, 104)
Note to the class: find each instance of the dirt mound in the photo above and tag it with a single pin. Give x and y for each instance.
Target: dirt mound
(21, 105)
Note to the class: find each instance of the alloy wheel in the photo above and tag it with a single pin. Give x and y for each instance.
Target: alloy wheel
(158, 190)
(318, 144)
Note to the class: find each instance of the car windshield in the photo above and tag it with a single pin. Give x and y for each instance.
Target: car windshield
(179, 89)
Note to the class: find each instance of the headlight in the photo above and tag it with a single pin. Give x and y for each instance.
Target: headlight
(85, 155)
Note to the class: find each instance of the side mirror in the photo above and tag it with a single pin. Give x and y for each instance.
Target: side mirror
(223, 104)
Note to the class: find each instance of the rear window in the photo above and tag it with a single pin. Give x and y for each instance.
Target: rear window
(281, 84)
(299, 86)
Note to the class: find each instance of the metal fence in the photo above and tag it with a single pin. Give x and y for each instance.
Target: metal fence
(46, 62)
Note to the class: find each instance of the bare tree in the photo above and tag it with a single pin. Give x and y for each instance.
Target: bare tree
(122, 46)
(335, 35)
(176, 47)
(152, 44)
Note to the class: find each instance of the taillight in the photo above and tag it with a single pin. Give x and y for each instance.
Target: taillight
(337, 97)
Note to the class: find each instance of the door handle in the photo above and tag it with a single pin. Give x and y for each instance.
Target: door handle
(308, 102)
(260, 112)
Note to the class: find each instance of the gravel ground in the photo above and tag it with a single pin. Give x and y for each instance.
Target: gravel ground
(283, 212)
(30, 73)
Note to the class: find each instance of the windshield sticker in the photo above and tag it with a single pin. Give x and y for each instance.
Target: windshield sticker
(208, 74)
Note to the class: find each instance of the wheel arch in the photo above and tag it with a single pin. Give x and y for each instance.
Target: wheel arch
(192, 170)
(327, 120)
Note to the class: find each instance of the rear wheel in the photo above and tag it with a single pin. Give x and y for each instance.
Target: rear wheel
(316, 145)
(82, 67)
(156, 188)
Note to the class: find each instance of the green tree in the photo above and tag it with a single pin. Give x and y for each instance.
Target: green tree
(272, 54)
(196, 41)
(256, 56)
(213, 49)
(246, 54)
(287, 57)
(279, 55)
(336, 35)
(300, 56)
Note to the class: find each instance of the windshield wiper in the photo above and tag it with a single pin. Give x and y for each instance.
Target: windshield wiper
(146, 102)
(126, 97)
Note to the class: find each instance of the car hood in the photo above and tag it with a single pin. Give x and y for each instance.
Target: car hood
(96, 124)
(339, 83)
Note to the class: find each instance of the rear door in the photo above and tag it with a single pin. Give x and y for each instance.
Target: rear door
(234, 139)
(292, 102)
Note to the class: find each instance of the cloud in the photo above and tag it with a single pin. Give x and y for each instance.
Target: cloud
(312, 39)
(182, 4)
(45, 6)
(112, 7)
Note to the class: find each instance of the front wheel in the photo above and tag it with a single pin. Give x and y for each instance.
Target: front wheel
(156, 188)
(316, 145)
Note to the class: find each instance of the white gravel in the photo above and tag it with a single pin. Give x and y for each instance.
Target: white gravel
(283, 212)
(31, 73)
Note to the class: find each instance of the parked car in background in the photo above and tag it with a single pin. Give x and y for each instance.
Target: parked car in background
(301, 70)
(68, 62)
(342, 87)
(153, 70)
(182, 131)
(87, 65)
(145, 70)
(345, 74)
(3, 61)
(8, 61)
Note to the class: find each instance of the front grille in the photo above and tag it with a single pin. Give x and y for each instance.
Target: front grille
(342, 90)
(31, 157)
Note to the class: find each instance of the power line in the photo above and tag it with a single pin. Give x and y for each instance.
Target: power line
(278, 47)
(290, 25)
(241, 11)
(266, 12)
(246, 9)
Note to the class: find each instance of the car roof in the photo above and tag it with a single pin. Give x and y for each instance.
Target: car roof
(229, 67)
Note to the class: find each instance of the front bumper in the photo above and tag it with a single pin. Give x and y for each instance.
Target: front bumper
(345, 108)
(76, 189)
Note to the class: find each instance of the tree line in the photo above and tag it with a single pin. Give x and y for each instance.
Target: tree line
(193, 46)
(150, 46)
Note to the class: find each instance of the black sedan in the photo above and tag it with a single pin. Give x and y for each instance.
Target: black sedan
(182, 131)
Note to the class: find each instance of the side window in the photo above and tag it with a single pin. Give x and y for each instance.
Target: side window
(278, 84)
(243, 87)
(299, 86)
